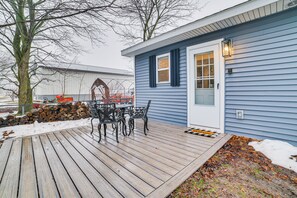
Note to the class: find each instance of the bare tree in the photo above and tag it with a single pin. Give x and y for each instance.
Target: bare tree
(35, 32)
(146, 18)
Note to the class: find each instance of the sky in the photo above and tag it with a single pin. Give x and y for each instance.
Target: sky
(109, 53)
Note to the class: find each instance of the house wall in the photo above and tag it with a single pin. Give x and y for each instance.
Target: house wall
(263, 83)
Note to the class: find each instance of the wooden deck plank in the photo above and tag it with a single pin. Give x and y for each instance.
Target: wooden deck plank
(126, 175)
(10, 180)
(71, 163)
(145, 150)
(157, 149)
(179, 134)
(193, 152)
(177, 131)
(4, 153)
(84, 186)
(45, 180)
(174, 151)
(141, 173)
(117, 182)
(192, 144)
(63, 181)
(177, 180)
(28, 188)
(106, 189)
(131, 158)
(148, 159)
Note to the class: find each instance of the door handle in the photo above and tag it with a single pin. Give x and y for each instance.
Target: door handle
(218, 85)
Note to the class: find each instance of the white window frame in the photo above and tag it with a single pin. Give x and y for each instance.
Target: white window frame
(157, 68)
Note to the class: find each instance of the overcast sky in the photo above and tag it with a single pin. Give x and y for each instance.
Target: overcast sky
(109, 53)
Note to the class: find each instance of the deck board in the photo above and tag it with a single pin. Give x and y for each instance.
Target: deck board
(10, 179)
(105, 188)
(28, 188)
(141, 173)
(71, 163)
(63, 181)
(45, 180)
(4, 154)
(131, 158)
(78, 177)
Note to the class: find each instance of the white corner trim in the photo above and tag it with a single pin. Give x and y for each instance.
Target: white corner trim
(222, 81)
(134, 63)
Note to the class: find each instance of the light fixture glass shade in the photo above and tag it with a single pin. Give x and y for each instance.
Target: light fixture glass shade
(226, 48)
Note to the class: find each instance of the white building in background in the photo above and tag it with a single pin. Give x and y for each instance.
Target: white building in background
(76, 80)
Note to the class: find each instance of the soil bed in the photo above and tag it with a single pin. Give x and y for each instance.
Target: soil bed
(237, 170)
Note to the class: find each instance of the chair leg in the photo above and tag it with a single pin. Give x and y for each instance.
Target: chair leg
(99, 130)
(133, 124)
(144, 126)
(147, 124)
(105, 127)
(130, 123)
(117, 133)
(92, 126)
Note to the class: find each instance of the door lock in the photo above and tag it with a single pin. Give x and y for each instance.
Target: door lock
(218, 85)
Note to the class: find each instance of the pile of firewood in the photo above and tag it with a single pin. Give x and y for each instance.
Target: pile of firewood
(49, 113)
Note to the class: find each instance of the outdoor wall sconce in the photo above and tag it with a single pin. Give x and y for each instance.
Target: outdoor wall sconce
(227, 48)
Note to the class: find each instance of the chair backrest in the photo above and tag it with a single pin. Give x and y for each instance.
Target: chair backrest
(106, 112)
(93, 109)
(147, 107)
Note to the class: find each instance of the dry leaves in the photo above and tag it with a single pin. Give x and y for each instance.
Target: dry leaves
(237, 170)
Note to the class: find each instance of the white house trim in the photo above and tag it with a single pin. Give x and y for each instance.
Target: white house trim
(222, 83)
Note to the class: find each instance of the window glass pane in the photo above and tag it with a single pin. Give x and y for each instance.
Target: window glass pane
(199, 72)
(206, 71)
(163, 62)
(163, 76)
(205, 59)
(198, 59)
(211, 58)
(206, 83)
(199, 84)
(211, 70)
(211, 83)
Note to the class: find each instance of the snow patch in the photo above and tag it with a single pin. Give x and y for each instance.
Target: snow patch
(39, 128)
(278, 152)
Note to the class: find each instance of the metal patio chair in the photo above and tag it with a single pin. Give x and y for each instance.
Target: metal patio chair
(94, 113)
(107, 114)
(139, 113)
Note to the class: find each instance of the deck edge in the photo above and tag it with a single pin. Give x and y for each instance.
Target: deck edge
(165, 189)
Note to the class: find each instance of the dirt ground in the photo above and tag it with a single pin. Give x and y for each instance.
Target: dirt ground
(237, 170)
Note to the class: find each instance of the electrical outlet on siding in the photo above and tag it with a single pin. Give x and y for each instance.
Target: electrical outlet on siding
(239, 114)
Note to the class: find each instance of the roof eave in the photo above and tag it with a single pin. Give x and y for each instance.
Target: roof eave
(225, 14)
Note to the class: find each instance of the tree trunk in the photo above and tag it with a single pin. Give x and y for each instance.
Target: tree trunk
(25, 90)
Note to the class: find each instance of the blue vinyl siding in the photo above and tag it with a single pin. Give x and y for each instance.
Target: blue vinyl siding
(263, 82)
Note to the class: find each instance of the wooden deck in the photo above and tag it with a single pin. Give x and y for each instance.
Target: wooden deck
(70, 163)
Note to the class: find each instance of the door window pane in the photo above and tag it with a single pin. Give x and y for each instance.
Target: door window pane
(204, 78)
(199, 72)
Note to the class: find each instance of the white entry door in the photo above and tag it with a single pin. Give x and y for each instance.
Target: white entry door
(205, 86)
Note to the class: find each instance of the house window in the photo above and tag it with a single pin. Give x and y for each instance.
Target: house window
(163, 68)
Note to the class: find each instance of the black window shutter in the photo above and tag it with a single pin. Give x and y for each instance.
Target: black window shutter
(174, 68)
(152, 71)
